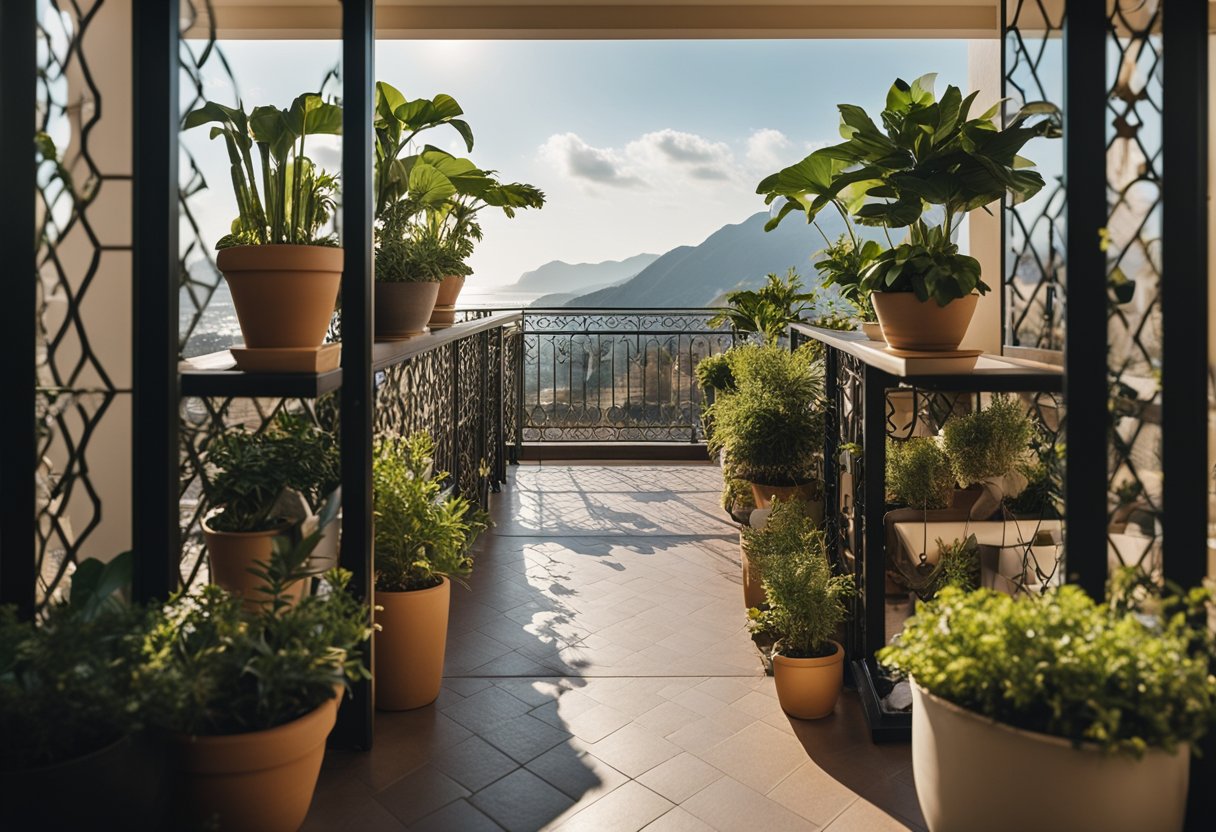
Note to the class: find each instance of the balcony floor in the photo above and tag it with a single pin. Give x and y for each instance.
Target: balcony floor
(600, 676)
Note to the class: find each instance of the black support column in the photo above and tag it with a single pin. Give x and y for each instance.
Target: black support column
(18, 447)
(1085, 324)
(354, 728)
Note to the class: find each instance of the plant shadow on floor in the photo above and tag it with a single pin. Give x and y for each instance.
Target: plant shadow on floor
(880, 773)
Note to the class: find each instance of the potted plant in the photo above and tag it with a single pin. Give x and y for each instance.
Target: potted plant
(842, 264)
(422, 538)
(770, 533)
(410, 263)
(262, 486)
(929, 154)
(986, 448)
(66, 710)
(771, 426)
(806, 605)
(766, 312)
(1089, 708)
(245, 698)
(919, 474)
(283, 268)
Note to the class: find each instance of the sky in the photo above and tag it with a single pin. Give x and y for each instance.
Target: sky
(640, 146)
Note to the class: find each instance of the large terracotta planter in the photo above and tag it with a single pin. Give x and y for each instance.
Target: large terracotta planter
(403, 309)
(810, 493)
(120, 786)
(809, 688)
(444, 314)
(409, 646)
(914, 325)
(232, 554)
(261, 781)
(975, 773)
(284, 295)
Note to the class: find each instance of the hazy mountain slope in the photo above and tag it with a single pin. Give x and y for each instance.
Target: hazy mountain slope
(731, 257)
(559, 276)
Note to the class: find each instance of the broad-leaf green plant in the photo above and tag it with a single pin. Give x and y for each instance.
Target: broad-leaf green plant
(1067, 666)
(286, 199)
(928, 165)
(422, 534)
(768, 311)
(842, 263)
(806, 602)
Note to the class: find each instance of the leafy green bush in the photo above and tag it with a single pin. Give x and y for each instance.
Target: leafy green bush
(767, 311)
(210, 667)
(989, 442)
(806, 601)
(66, 686)
(789, 527)
(1062, 664)
(714, 372)
(421, 534)
(772, 424)
(842, 264)
(919, 473)
(252, 470)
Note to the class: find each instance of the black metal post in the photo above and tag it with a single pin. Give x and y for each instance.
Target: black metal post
(154, 339)
(870, 515)
(18, 445)
(1085, 369)
(354, 729)
(1184, 292)
(517, 383)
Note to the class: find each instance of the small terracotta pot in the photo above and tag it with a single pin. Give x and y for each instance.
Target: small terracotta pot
(449, 290)
(809, 688)
(119, 786)
(231, 556)
(964, 765)
(284, 295)
(911, 324)
(807, 492)
(873, 331)
(403, 309)
(410, 645)
(753, 588)
(261, 781)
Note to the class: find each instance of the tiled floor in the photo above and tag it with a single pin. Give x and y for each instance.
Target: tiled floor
(600, 677)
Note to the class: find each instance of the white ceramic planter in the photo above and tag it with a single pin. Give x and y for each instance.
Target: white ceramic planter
(973, 773)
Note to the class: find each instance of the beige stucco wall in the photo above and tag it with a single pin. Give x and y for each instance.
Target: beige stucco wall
(984, 74)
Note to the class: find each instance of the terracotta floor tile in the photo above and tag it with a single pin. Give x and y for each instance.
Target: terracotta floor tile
(457, 816)
(626, 809)
(576, 773)
(416, 795)
(759, 756)
(634, 750)
(474, 763)
(812, 793)
(521, 802)
(679, 820)
(727, 804)
(680, 777)
(524, 737)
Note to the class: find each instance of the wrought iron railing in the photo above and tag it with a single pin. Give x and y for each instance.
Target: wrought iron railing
(623, 375)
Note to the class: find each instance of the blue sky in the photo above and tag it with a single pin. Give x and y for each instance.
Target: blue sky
(640, 145)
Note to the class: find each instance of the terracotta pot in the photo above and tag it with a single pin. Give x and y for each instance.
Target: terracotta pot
(261, 781)
(809, 688)
(968, 770)
(284, 295)
(910, 324)
(808, 492)
(873, 331)
(449, 290)
(106, 789)
(403, 309)
(753, 589)
(410, 645)
(231, 556)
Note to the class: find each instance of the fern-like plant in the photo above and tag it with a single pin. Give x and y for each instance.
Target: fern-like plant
(806, 602)
(422, 534)
(919, 473)
(789, 526)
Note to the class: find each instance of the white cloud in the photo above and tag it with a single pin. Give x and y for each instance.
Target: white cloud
(770, 150)
(662, 158)
(579, 160)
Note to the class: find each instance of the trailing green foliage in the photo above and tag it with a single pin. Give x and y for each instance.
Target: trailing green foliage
(988, 443)
(919, 473)
(767, 311)
(772, 424)
(210, 667)
(251, 471)
(1064, 665)
(928, 155)
(842, 264)
(806, 602)
(295, 199)
(422, 535)
(66, 686)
